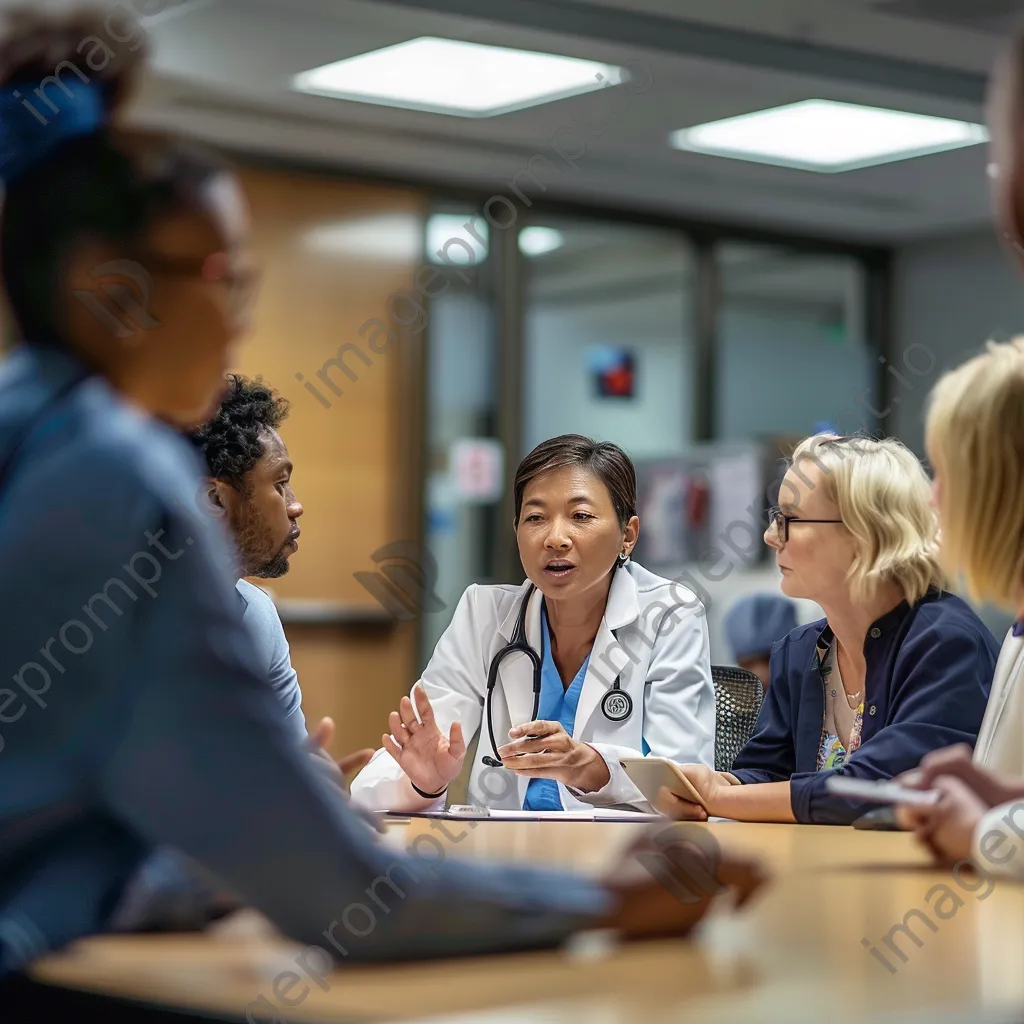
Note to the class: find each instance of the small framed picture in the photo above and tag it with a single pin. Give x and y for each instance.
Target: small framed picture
(613, 371)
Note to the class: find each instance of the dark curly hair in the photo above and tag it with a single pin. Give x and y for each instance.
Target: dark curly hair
(230, 442)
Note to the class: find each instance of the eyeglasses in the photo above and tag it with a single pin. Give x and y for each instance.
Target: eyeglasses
(242, 283)
(781, 522)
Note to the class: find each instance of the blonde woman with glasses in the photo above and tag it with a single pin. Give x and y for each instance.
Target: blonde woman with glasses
(897, 668)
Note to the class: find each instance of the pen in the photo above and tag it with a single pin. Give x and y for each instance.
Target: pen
(492, 762)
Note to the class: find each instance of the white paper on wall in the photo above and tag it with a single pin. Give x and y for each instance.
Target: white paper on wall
(735, 527)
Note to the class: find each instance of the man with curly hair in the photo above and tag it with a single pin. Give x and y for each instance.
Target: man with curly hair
(250, 486)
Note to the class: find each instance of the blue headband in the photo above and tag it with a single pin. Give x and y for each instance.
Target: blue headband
(30, 131)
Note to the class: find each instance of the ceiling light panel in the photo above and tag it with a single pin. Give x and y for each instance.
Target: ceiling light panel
(450, 76)
(537, 240)
(827, 136)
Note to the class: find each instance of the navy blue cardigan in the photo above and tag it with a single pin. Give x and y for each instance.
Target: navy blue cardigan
(929, 671)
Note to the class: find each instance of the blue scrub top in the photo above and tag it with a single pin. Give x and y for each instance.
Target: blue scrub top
(557, 704)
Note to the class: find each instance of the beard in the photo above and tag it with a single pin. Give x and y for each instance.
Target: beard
(277, 566)
(255, 547)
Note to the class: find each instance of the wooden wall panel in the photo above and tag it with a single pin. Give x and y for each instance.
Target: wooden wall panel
(351, 459)
(348, 457)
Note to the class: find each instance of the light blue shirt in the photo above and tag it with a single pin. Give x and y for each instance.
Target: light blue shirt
(558, 703)
(270, 646)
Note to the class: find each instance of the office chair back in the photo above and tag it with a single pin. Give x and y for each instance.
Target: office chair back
(738, 697)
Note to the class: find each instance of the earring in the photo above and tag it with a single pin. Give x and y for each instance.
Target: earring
(623, 555)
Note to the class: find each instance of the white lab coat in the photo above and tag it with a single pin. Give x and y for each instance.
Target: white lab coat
(654, 634)
(1000, 745)
(1000, 748)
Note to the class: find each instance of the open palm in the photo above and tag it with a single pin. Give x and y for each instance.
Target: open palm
(429, 758)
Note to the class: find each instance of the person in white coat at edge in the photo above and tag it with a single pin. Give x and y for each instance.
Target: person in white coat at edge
(614, 663)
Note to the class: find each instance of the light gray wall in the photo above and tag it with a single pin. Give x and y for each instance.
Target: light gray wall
(951, 295)
(780, 372)
(558, 392)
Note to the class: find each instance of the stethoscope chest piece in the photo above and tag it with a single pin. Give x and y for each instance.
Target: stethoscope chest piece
(616, 706)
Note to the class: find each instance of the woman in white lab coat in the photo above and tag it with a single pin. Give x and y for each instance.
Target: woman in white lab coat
(610, 660)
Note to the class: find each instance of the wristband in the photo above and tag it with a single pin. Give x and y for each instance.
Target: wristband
(427, 796)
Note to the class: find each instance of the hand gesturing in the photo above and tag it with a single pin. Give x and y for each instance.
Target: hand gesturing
(429, 758)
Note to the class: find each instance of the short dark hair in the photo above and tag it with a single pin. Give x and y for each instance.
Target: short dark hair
(607, 461)
(231, 442)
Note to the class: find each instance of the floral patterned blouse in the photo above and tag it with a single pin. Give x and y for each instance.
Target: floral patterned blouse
(840, 730)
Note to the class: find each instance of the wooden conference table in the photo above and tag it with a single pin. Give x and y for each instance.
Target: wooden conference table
(795, 954)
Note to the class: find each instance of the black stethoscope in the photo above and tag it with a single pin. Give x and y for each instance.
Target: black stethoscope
(616, 704)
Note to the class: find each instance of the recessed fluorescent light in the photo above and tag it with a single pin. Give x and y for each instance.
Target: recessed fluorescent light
(165, 14)
(387, 238)
(459, 238)
(449, 76)
(537, 240)
(823, 135)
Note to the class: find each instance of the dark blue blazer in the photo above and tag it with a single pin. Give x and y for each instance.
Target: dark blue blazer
(929, 671)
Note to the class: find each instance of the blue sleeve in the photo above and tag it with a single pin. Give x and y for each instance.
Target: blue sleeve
(199, 759)
(285, 683)
(941, 682)
(770, 753)
(170, 892)
(284, 680)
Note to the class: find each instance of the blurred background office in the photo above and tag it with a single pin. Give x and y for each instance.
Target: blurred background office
(482, 225)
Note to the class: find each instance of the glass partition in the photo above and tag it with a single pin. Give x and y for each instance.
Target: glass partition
(465, 472)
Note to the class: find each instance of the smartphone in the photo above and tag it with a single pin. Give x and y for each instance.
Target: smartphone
(469, 810)
(881, 791)
(649, 774)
